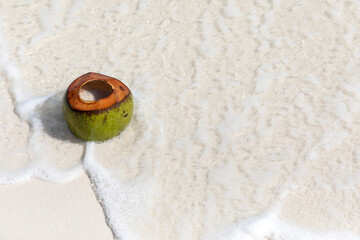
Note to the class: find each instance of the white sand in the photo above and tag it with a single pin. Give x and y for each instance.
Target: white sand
(39, 210)
(246, 113)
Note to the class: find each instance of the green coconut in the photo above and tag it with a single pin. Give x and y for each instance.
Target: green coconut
(101, 118)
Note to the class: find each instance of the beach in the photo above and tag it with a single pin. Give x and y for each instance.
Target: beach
(246, 120)
(40, 210)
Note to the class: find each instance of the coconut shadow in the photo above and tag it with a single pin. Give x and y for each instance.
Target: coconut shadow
(52, 119)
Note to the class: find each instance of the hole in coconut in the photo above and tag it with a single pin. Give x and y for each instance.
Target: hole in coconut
(95, 90)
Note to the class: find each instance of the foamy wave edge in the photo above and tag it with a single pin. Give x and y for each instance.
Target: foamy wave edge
(270, 227)
(44, 173)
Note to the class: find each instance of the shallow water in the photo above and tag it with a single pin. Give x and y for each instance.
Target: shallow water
(246, 113)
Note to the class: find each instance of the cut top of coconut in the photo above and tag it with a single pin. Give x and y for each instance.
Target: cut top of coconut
(94, 91)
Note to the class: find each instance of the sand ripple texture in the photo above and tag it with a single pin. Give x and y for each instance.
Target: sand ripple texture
(247, 114)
